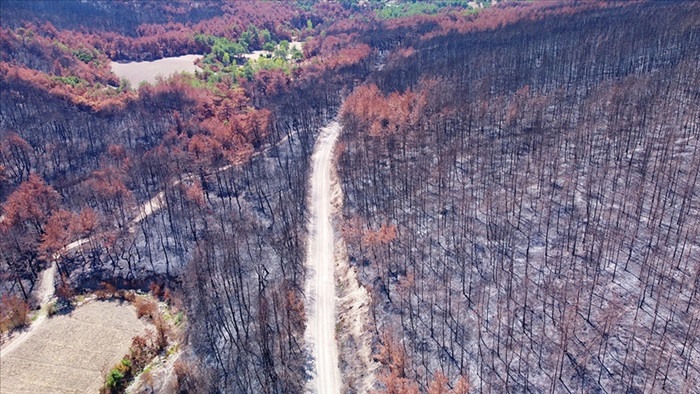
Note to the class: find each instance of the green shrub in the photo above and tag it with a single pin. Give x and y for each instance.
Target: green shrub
(115, 380)
(70, 80)
(118, 377)
(84, 55)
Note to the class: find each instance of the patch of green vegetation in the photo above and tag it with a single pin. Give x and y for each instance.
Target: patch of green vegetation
(118, 377)
(209, 78)
(223, 50)
(84, 55)
(227, 52)
(472, 11)
(276, 63)
(172, 350)
(255, 38)
(282, 49)
(124, 86)
(70, 80)
(226, 62)
(306, 5)
(114, 378)
(282, 57)
(178, 319)
(391, 10)
(63, 47)
(360, 4)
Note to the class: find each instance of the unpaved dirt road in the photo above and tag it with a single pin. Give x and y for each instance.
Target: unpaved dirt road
(320, 332)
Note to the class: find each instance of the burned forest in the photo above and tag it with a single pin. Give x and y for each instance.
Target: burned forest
(510, 190)
(523, 203)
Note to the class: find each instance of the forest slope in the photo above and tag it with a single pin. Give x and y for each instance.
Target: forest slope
(523, 203)
(226, 161)
(521, 183)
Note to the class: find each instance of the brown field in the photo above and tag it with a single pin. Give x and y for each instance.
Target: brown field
(136, 72)
(71, 353)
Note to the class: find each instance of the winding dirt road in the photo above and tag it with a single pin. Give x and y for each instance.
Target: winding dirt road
(320, 332)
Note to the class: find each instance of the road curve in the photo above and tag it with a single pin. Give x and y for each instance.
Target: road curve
(320, 332)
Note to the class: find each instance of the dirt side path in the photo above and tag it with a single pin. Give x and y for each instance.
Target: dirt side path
(44, 294)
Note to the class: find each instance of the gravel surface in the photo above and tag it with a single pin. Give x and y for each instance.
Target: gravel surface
(320, 261)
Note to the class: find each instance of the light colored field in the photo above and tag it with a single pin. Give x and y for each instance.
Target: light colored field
(136, 72)
(71, 353)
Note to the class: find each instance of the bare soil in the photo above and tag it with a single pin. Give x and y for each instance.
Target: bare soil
(320, 331)
(71, 353)
(136, 72)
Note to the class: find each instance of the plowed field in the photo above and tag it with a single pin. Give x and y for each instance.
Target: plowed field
(71, 353)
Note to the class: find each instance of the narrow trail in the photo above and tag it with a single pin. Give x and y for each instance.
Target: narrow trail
(320, 332)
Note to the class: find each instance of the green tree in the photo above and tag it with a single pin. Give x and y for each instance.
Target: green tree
(284, 45)
(265, 36)
(269, 46)
(248, 71)
(297, 54)
(282, 49)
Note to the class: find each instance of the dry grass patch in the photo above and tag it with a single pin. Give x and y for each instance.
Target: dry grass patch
(71, 353)
(137, 72)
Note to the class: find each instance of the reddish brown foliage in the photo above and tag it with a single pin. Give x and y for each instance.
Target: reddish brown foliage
(90, 96)
(87, 222)
(156, 289)
(105, 291)
(382, 115)
(393, 357)
(146, 308)
(31, 205)
(195, 194)
(58, 232)
(142, 350)
(39, 49)
(383, 236)
(14, 312)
